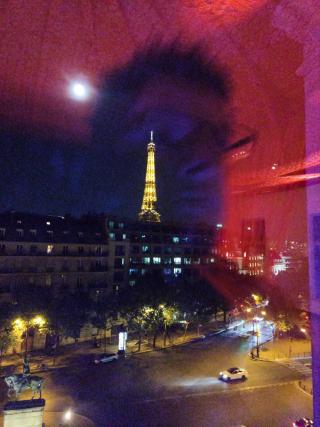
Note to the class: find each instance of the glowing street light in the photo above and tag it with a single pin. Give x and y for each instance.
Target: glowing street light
(38, 321)
(22, 326)
(79, 90)
(67, 415)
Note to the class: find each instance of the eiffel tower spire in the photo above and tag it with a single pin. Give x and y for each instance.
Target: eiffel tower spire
(148, 211)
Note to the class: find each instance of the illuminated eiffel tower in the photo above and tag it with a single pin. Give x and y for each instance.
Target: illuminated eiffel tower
(148, 211)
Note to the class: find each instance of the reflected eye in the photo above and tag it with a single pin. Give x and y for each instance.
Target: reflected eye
(170, 128)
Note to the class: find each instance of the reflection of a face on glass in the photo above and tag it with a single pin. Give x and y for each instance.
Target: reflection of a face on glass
(191, 126)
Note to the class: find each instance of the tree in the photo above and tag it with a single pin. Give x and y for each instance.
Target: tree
(104, 313)
(67, 313)
(7, 336)
(149, 306)
(29, 312)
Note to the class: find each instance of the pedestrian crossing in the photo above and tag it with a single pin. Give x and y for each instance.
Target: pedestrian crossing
(295, 365)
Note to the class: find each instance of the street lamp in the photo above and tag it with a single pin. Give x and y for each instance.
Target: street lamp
(258, 333)
(67, 416)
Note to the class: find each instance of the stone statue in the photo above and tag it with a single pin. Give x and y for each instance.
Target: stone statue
(26, 367)
(18, 383)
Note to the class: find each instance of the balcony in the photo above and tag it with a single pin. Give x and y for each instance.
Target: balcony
(98, 269)
(39, 253)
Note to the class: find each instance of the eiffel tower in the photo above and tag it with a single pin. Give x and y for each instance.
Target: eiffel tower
(148, 211)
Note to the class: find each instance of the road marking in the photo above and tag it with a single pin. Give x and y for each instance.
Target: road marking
(216, 392)
(295, 366)
(304, 391)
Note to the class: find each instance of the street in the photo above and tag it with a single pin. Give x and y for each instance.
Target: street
(179, 386)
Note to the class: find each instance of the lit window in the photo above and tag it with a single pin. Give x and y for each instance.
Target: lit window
(48, 223)
(146, 260)
(175, 239)
(177, 271)
(196, 261)
(111, 224)
(156, 260)
(124, 236)
(145, 248)
(177, 260)
(49, 249)
(187, 260)
(112, 236)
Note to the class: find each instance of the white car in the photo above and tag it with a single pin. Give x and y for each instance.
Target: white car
(233, 374)
(104, 358)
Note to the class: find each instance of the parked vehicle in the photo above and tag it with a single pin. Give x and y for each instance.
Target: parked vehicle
(105, 358)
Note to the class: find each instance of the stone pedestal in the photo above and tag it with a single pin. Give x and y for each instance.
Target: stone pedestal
(24, 413)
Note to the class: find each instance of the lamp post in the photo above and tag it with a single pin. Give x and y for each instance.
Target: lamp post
(258, 344)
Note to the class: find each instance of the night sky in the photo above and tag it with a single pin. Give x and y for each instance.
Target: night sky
(59, 154)
(177, 93)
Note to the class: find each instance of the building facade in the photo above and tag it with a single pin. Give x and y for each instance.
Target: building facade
(253, 246)
(96, 254)
(52, 251)
(138, 248)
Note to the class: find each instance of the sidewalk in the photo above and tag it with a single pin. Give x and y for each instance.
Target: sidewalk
(292, 353)
(286, 348)
(41, 362)
(55, 419)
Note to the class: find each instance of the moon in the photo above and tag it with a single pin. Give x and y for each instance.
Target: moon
(79, 91)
